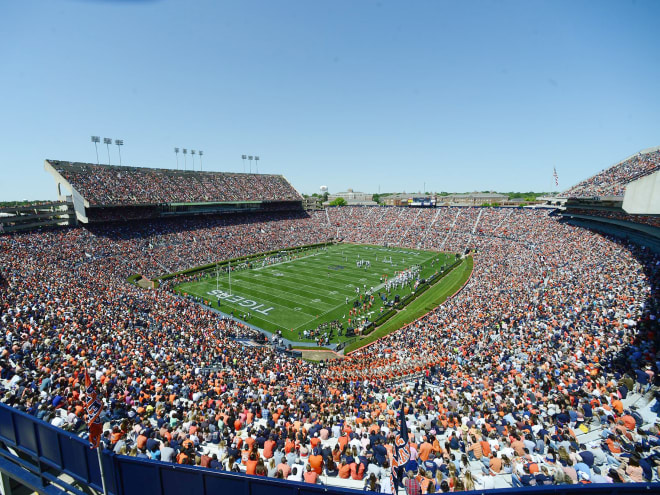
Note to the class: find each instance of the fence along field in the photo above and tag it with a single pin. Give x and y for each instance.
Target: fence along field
(300, 293)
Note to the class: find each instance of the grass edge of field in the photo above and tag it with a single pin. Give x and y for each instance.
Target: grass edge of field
(435, 296)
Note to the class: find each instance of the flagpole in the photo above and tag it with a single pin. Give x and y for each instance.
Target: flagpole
(98, 453)
(94, 408)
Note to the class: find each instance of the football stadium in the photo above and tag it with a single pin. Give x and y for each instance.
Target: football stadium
(123, 331)
(187, 324)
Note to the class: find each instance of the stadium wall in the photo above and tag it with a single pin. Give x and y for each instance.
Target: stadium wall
(33, 453)
(642, 196)
(79, 202)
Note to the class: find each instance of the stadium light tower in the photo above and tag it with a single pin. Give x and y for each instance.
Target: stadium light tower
(96, 140)
(176, 152)
(108, 142)
(250, 157)
(185, 152)
(243, 157)
(256, 163)
(192, 152)
(119, 143)
(200, 152)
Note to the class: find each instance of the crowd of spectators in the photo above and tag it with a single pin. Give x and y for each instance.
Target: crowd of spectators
(555, 328)
(113, 185)
(168, 245)
(612, 181)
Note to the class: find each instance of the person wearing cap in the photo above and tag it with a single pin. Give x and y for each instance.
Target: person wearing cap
(584, 477)
(597, 477)
(521, 477)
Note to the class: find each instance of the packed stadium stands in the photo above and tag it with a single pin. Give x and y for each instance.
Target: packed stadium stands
(612, 181)
(556, 329)
(114, 185)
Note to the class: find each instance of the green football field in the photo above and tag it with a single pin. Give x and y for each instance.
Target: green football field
(303, 292)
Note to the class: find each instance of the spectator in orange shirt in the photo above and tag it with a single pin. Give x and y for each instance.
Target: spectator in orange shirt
(357, 470)
(344, 470)
(424, 450)
(519, 447)
(336, 453)
(141, 442)
(310, 475)
(269, 446)
(316, 462)
(315, 440)
(251, 464)
(475, 451)
(495, 465)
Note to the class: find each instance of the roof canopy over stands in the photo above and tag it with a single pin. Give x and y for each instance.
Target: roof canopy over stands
(106, 185)
(612, 181)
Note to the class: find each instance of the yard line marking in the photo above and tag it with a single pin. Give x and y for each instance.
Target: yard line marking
(251, 284)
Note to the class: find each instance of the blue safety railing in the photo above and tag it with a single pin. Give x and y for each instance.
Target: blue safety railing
(35, 453)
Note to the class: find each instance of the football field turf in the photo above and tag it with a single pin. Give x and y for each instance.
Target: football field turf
(303, 292)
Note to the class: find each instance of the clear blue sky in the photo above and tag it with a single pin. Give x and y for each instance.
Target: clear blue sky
(460, 95)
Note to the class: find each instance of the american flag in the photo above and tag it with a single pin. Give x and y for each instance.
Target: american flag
(554, 174)
(94, 408)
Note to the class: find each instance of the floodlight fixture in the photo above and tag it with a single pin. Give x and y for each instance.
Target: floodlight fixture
(256, 162)
(250, 157)
(244, 157)
(96, 140)
(192, 152)
(119, 143)
(200, 152)
(185, 152)
(176, 151)
(108, 142)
